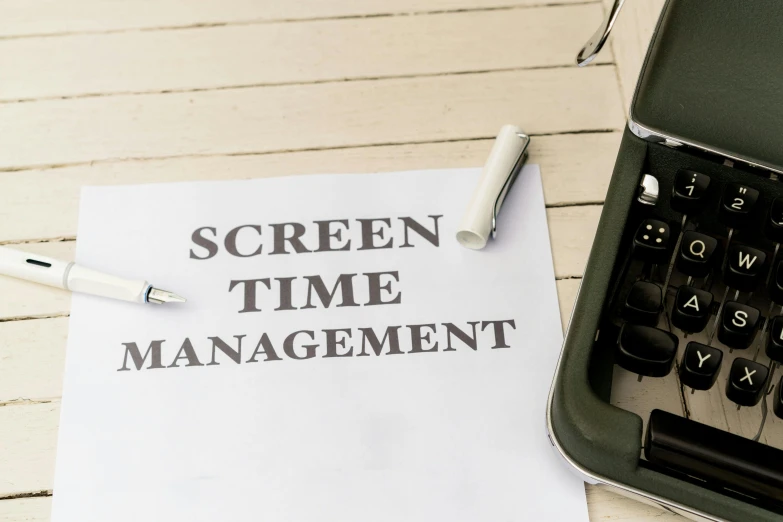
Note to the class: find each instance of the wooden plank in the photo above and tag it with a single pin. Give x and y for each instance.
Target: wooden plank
(28, 440)
(604, 504)
(32, 359)
(575, 168)
(630, 39)
(330, 50)
(23, 17)
(567, 290)
(298, 117)
(571, 230)
(26, 509)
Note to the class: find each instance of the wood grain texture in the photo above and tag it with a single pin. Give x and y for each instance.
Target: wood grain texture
(32, 358)
(575, 169)
(27, 447)
(606, 505)
(263, 54)
(567, 290)
(297, 117)
(46, 17)
(26, 509)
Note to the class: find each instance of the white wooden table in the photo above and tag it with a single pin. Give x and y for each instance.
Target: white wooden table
(99, 92)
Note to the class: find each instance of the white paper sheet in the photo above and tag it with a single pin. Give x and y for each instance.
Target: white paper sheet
(450, 434)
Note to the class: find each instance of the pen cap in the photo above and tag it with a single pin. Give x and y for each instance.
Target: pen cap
(503, 164)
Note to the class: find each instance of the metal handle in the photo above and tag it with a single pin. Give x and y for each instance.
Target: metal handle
(597, 41)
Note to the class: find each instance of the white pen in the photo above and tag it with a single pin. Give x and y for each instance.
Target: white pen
(76, 278)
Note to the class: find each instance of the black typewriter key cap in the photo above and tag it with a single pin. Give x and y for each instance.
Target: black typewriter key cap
(737, 204)
(777, 399)
(776, 284)
(744, 268)
(691, 311)
(775, 340)
(697, 252)
(651, 241)
(689, 190)
(774, 227)
(643, 303)
(747, 381)
(738, 325)
(700, 366)
(645, 350)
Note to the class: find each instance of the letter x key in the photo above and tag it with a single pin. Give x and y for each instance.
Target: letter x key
(747, 382)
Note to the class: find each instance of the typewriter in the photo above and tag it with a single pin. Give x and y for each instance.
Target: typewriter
(681, 305)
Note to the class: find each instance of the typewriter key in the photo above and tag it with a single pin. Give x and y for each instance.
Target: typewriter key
(775, 340)
(744, 267)
(774, 227)
(696, 254)
(777, 399)
(643, 303)
(737, 205)
(776, 283)
(651, 241)
(689, 190)
(700, 366)
(738, 325)
(747, 382)
(645, 350)
(691, 311)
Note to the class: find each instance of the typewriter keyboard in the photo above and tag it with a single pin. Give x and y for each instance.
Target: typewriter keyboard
(696, 315)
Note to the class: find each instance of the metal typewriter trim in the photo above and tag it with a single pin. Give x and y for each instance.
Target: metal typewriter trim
(648, 134)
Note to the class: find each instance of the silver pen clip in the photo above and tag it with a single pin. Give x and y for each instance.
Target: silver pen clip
(597, 41)
(512, 176)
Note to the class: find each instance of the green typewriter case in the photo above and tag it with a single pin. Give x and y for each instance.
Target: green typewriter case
(683, 291)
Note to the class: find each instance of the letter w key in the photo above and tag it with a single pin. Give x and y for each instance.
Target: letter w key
(745, 267)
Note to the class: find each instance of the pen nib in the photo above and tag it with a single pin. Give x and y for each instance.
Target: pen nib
(158, 296)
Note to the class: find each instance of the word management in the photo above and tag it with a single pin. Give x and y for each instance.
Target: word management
(269, 294)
